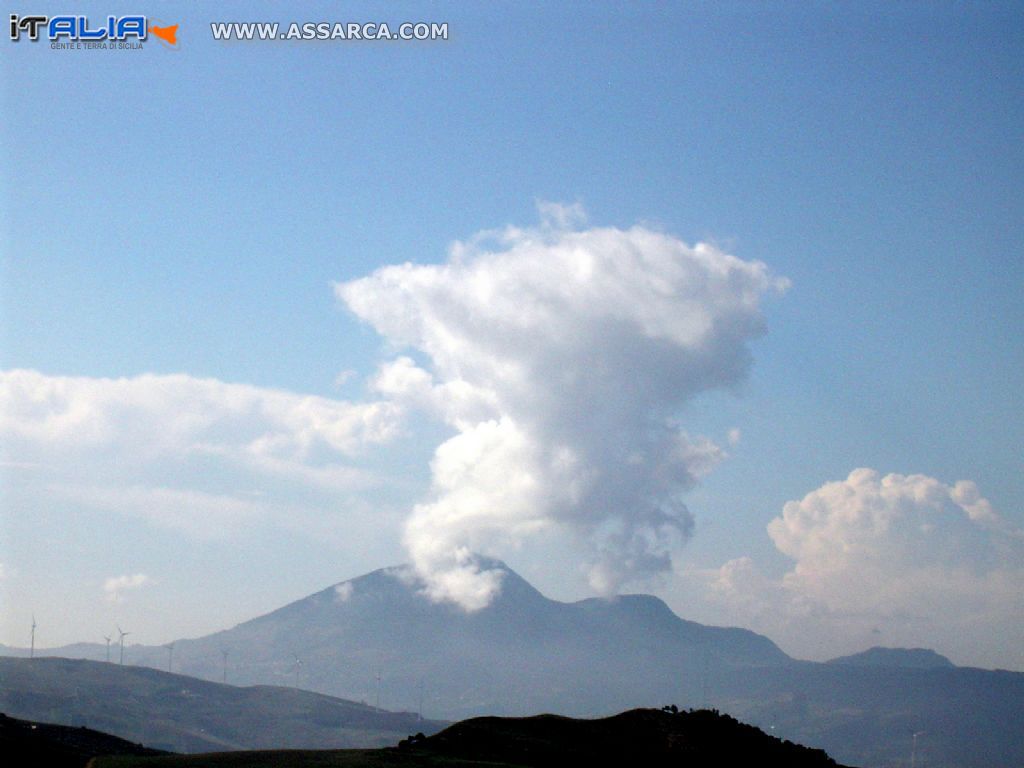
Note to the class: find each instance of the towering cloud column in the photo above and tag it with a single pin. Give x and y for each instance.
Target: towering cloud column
(560, 356)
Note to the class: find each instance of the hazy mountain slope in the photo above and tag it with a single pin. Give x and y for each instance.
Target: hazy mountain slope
(180, 713)
(867, 715)
(523, 654)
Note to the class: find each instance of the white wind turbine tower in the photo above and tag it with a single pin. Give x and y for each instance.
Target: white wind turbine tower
(122, 633)
(32, 648)
(170, 654)
(913, 749)
(107, 638)
(224, 653)
(380, 664)
(298, 665)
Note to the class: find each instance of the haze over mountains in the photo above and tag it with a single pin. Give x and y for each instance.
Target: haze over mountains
(525, 654)
(522, 654)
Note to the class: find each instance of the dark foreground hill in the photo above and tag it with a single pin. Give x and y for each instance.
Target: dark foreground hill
(24, 743)
(183, 714)
(643, 737)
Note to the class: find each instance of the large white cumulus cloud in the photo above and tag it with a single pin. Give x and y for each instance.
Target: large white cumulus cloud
(559, 356)
(913, 544)
(905, 558)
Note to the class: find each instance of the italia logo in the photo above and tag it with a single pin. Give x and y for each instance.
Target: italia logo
(80, 29)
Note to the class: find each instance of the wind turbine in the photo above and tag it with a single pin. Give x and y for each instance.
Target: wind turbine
(298, 664)
(913, 749)
(107, 638)
(122, 633)
(224, 653)
(704, 680)
(379, 675)
(170, 654)
(32, 648)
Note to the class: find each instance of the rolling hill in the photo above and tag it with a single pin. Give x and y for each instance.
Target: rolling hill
(184, 714)
(59, 746)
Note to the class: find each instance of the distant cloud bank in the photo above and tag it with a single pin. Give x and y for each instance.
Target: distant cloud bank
(199, 456)
(900, 557)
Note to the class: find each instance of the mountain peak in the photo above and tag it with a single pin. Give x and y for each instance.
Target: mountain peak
(909, 658)
(403, 579)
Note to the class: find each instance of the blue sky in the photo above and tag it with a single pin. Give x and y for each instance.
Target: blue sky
(189, 212)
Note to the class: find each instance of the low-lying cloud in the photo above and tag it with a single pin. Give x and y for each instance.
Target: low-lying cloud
(560, 358)
(115, 586)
